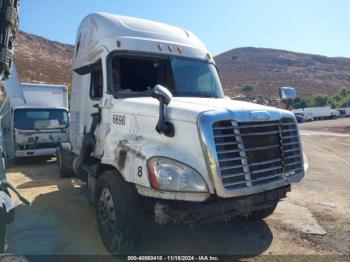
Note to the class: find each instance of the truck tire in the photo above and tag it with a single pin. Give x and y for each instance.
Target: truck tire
(261, 214)
(3, 226)
(118, 212)
(64, 160)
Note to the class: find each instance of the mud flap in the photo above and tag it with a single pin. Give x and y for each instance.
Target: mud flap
(7, 205)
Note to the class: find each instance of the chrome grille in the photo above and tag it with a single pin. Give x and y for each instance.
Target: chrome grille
(254, 153)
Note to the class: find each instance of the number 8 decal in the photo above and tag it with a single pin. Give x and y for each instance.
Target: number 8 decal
(139, 172)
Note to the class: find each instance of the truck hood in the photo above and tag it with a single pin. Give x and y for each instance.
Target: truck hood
(188, 109)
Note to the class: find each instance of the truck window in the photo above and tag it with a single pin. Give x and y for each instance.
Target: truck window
(196, 78)
(96, 87)
(33, 119)
(133, 75)
(182, 76)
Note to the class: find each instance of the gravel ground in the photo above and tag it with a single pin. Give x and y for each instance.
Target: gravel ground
(60, 221)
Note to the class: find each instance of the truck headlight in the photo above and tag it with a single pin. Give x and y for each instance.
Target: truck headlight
(171, 175)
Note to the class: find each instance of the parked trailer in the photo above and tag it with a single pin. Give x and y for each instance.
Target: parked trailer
(320, 113)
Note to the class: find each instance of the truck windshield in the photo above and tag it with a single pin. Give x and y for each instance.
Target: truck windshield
(136, 76)
(195, 78)
(29, 119)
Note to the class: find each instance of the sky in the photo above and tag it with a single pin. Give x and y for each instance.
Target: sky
(307, 26)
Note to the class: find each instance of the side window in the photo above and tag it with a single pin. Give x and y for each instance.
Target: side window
(96, 87)
(137, 75)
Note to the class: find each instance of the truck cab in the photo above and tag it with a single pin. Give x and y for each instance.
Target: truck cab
(151, 129)
(39, 130)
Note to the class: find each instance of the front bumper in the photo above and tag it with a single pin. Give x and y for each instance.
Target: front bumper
(216, 208)
(36, 152)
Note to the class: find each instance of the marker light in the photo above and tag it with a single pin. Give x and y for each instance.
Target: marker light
(160, 47)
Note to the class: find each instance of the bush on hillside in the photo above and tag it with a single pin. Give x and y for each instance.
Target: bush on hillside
(340, 99)
(247, 88)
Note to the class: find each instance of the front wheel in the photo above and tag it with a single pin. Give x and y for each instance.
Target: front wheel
(64, 160)
(118, 211)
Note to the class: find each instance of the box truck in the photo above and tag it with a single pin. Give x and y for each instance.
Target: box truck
(42, 123)
(151, 132)
(35, 118)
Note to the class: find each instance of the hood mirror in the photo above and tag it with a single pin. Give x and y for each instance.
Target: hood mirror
(164, 96)
(287, 93)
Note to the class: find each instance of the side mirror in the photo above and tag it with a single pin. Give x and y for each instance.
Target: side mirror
(162, 93)
(164, 97)
(287, 92)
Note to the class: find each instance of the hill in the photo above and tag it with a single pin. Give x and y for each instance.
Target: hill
(268, 69)
(42, 60)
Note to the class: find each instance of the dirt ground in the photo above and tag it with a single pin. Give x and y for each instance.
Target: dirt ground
(313, 220)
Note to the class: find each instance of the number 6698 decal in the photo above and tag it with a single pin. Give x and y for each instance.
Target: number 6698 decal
(119, 120)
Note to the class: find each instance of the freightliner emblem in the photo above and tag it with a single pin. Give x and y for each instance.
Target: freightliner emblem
(260, 115)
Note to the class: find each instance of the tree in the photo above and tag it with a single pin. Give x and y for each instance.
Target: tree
(247, 88)
(320, 100)
(300, 103)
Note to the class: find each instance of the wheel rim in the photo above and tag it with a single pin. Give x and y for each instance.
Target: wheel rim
(106, 214)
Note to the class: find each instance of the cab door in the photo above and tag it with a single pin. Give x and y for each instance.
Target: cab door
(93, 106)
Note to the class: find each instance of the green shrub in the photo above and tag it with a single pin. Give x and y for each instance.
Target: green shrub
(247, 88)
(340, 99)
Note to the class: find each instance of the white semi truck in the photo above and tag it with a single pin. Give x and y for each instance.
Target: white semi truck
(151, 129)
